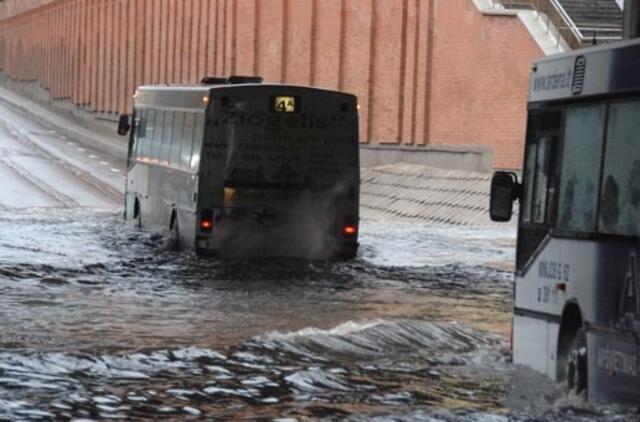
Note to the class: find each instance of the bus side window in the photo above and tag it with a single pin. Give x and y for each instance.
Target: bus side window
(197, 141)
(145, 145)
(529, 174)
(581, 158)
(176, 138)
(157, 135)
(140, 123)
(167, 134)
(541, 184)
(187, 140)
(538, 177)
(620, 196)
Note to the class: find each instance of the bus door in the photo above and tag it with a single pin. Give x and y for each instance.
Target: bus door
(539, 179)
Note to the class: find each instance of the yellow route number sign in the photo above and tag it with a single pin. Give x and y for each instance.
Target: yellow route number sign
(284, 104)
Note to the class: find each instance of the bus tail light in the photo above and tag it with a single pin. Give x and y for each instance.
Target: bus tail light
(206, 221)
(350, 226)
(350, 230)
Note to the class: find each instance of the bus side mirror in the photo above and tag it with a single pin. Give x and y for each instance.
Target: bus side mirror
(123, 125)
(504, 190)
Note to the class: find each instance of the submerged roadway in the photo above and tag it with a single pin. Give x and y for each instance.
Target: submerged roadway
(102, 321)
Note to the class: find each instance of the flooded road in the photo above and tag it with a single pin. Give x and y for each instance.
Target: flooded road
(100, 321)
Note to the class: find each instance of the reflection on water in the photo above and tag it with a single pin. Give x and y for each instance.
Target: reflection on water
(99, 321)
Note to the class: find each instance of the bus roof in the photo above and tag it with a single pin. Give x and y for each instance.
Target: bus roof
(195, 96)
(606, 69)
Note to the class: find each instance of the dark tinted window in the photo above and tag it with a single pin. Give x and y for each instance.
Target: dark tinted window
(620, 197)
(580, 174)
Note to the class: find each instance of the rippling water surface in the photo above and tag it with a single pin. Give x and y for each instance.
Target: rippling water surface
(100, 321)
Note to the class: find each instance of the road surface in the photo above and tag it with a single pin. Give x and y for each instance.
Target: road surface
(100, 321)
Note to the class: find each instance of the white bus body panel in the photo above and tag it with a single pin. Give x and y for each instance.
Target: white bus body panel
(564, 271)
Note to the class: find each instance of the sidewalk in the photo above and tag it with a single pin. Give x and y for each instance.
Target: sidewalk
(96, 136)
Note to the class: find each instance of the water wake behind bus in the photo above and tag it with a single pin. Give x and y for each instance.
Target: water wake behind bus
(100, 321)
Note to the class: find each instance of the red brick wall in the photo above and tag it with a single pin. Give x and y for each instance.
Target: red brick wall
(426, 71)
(480, 79)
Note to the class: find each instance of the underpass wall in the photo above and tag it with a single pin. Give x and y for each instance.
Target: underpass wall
(427, 72)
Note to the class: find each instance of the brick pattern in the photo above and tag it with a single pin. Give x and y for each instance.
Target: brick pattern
(425, 71)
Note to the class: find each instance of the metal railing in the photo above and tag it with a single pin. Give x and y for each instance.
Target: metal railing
(554, 14)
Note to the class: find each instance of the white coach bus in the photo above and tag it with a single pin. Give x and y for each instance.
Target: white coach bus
(237, 168)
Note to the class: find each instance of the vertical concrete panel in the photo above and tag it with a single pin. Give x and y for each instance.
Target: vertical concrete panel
(52, 54)
(407, 74)
(103, 56)
(211, 36)
(91, 55)
(230, 48)
(220, 37)
(67, 51)
(179, 28)
(194, 61)
(297, 58)
(47, 47)
(131, 50)
(162, 6)
(76, 10)
(325, 48)
(115, 86)
(269, 42)
(355, 56)
(245, 37)
(148, 41)
(155, 41)
(387, 64)
(187, 30)
(421, 73)
(203, 23)
(83, 39)
(58, 53)
(91, 52)
(112, 71)
(100, 56)
(123, 56)
(140, 25)
(171, 47)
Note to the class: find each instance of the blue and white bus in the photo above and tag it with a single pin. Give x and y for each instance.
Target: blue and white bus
(577, 281)
(237, 168)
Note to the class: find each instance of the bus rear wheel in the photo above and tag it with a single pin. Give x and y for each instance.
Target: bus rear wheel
(577, 364)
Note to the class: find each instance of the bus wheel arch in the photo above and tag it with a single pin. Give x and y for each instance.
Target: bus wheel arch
(572, 349)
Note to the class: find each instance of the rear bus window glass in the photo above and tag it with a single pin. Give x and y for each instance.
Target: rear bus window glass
(620, 196)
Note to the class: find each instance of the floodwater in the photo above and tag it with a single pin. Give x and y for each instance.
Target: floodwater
(100, 321)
